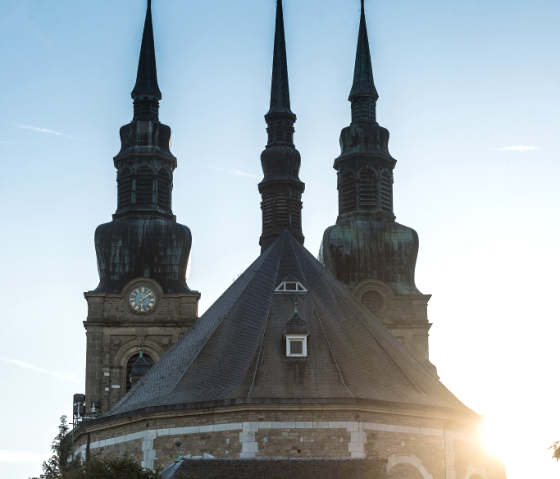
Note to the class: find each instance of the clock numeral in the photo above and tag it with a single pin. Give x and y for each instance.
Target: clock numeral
(143, 289)
(137, 308)
(151, 305)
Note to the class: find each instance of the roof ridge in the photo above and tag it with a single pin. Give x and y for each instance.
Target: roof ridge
(266, 319)
(239, 296)
(329, 279)
(129, 398)
(322, 327)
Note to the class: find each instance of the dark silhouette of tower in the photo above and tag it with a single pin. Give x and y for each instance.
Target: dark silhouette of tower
(143, 254)
(281, 188)
(367, 250)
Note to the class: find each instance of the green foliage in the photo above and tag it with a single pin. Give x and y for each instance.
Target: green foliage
(555, 448)
(118, 468)
(58, 466)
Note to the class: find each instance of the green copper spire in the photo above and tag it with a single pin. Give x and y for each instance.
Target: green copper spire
(146, 93)
(364, 85)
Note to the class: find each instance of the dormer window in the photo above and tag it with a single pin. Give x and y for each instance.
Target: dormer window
(296, 345)
(291, 285)
(296, 335)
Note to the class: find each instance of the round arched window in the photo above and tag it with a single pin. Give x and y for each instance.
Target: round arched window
(373, 301)
(129, 364)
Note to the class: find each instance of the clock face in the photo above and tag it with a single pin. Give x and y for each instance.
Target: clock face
(142, 299)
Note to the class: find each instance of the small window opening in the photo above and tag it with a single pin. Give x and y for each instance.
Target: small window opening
(296, 346)
(290, 287)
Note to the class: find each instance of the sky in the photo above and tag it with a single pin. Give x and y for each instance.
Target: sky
(468, 91)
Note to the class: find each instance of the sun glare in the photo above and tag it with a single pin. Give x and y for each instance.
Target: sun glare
(495, 436)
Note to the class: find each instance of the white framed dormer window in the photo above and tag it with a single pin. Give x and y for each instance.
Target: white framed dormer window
(296, 345)
(292, 287)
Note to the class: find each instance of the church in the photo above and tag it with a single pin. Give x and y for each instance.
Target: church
(309, 364)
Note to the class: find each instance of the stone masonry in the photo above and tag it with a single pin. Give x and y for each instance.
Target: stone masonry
(115, 332)
(414, 445)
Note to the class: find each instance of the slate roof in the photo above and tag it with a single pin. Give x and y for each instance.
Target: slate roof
(235, 351)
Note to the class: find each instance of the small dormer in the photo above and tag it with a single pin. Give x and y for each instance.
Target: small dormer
(296, 336)
(291, 285)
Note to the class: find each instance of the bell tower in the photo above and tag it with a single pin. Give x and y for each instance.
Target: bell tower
(367, 250)
(281, 189)
(142, 255)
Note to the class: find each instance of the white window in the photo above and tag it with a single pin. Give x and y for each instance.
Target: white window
(296, 345)
(291, 287)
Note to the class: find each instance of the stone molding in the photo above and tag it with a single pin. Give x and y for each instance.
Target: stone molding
(377, 286)
(412, 460)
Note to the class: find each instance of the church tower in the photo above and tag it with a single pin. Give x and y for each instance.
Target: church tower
(142, 302)
(281, 188)
(367, 250)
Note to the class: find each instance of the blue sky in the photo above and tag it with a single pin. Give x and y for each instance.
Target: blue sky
(463, 85)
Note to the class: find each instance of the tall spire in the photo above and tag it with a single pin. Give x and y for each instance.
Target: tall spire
(281, 188)
(146, 93)
(364, 94)
(280, 91)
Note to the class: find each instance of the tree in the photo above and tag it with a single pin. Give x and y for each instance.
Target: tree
(58, 465)
(555, 448)
(62, 448)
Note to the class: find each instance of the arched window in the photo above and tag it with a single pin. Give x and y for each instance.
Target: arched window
(348, 192)
(164, 190)
(124, 183)
(368, 190)
(144, 187)
(386, 192)
(129, 364)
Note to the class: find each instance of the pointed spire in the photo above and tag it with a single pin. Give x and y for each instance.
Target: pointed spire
(146, 93)
(281, 188)
(364, 85)
(280, 92)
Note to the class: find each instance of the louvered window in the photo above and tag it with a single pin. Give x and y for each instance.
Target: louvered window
(268, 219)
(164, 190)
(368, 190)
(144, 187)
(348, 192)
(386, 192)
(296, 213)
(125, 188)
(282, 213)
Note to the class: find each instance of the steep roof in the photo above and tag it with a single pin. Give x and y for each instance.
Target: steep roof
(236, 350)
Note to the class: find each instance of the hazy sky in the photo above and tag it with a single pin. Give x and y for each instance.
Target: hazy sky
(468, 90)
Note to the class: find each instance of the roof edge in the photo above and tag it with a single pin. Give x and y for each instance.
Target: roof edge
(378, 406)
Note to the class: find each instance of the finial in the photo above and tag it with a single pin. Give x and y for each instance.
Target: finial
(141, 345)
(363, 8)
(296, 299)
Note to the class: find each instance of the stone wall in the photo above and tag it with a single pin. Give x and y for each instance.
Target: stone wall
(114, 333)
(411, 444)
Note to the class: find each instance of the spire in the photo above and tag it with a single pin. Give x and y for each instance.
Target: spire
(280, 92)
(364, 85)
(146, 93)
(281, 188)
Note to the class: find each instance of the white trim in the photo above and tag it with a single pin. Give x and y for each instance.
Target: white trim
(298, 288)
(296, 338)
(412, 460)
(250, 447)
